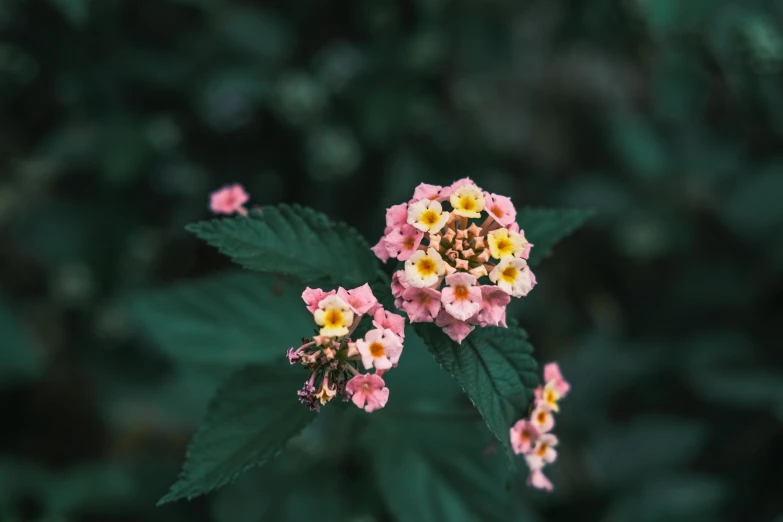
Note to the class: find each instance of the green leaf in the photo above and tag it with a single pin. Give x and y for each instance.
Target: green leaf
(436, 469)
(234, 318)
(496, 369)
(546, 227)
(18, 359)
(248, 422)
(290, 239)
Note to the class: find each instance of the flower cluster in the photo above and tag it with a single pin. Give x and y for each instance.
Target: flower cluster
(334, 359)
(476, 248)
(532, 437)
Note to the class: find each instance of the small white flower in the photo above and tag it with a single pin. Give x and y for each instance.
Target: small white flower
(380, 348)
(427, 216)
(468, 201)
(424, 269)
(334, 315)
(513, 276)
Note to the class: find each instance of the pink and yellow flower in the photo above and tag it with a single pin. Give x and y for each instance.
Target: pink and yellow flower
(427, 216)
(513, 276)
(439, 240)
(424, 269)
(380, 348)
(334, 315)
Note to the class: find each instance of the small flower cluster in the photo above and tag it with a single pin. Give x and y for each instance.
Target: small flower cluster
(334, 358)
(475, 243)
(532, 437)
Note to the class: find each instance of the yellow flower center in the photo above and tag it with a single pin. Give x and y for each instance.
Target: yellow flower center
(333, 318)
(541, 450)
(429, 217)
(426, 266)
(541, 417)
(376, 350)
(461, 292)
(551, 397)
(505, 247)
(509, 274)
(467, 203)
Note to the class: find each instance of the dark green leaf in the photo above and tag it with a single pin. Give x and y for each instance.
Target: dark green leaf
(233, 318)
(546, 227)
(437, 469)
(18, 359)
(249, 420)
(290, 239)
(496, 369)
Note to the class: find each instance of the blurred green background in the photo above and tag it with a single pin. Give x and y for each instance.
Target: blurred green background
(665, 116)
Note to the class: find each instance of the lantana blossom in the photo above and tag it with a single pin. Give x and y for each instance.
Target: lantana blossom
(461, 298)
(334, 315)
(460, 230)
(531, 437)
(335, 360)
(368, 392)
(380, 348)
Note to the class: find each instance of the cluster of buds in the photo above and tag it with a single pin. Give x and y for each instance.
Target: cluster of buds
(533, 437)
(335, 360)
(476, 248)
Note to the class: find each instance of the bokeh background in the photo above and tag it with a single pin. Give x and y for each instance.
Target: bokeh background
(665, 116)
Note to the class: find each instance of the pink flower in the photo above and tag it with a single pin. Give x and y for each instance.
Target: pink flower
(452, 327)
(542, 418)
(552, 373)
(380, 348)
(523, 435)
(421, 304)
(396, 216)
(500, 208)
(398, 283)
(361, 299)
(229, 199)
(493, 307)
(425, 191)
(313, 296)
(389, 321)
(368, 391)
(403, 241)
(380, 250)
(462, 299)
(539, 481)
(543, 452)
